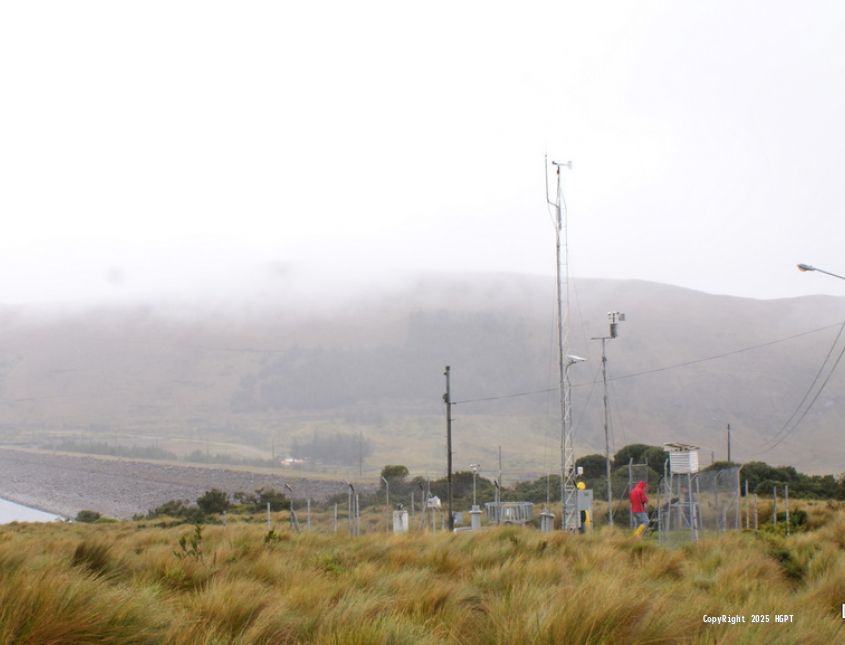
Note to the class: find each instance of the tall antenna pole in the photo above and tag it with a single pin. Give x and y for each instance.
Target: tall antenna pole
(614, 317)
(570, 519)
(606, 434)
(447, 398)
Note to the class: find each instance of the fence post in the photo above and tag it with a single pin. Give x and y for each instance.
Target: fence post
(357, 515)
(774, 506)
(738, 524)
(667, 477)
(719, 512)
(747, 507)
(786, 502)
(693, 516)
(349, 508)
(756, 516)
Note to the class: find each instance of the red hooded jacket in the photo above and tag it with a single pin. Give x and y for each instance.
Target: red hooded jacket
(638, 498)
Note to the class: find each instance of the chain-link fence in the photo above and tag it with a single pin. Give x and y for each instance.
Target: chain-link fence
(718, 499)
(692, 503)
(679, 504)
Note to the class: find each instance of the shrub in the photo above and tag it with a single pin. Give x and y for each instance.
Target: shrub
(277, 500)
(397, 472)
(87, 516)
(178, 509)
(213, 501)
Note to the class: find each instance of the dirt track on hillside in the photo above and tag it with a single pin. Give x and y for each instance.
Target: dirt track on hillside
(121, 488)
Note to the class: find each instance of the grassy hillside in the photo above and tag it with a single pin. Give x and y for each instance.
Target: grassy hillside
(131, 583)
(251, 381)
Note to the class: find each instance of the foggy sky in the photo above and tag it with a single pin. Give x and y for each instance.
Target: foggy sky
(185, 147)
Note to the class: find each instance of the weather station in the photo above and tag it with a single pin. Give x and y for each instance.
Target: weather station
(682, 489)
(570, 517)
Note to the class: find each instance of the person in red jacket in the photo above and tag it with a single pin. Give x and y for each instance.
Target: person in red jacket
(639, 499)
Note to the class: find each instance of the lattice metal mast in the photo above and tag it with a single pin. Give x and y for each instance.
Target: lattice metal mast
(570, 519)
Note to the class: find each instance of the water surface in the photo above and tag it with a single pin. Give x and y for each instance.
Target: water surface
(12, 512)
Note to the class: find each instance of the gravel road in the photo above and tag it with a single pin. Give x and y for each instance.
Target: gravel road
(121, 488)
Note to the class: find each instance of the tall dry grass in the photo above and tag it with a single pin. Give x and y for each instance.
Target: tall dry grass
(129, 583)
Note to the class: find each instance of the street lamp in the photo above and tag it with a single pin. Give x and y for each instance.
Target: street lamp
(810, 267)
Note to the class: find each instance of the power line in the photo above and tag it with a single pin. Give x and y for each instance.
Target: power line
(809, 407)
(807, 393)
(659, 369)
(506, 396)
(726, 354)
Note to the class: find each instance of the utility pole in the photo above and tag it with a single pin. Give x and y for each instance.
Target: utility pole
(606, 433)
(614, 317)
(360, 454)
(498, 483)
(570, 519)
(729, 442)
(447, 398)
(500, 465)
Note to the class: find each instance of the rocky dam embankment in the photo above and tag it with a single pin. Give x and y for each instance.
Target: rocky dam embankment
(120, 488)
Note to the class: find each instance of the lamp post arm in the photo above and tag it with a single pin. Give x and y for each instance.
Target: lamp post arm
(810, 267)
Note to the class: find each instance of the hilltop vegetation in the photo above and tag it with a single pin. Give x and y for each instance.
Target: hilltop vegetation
(132, 583)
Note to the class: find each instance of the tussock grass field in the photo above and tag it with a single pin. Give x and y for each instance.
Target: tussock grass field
(129, 582)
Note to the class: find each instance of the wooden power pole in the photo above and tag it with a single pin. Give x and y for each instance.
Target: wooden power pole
(447, 398)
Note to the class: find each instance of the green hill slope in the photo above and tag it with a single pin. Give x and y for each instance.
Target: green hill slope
(252, 380)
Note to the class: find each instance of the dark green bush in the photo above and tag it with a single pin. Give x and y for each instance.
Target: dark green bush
(87, 516)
